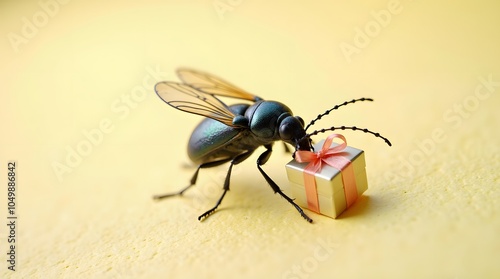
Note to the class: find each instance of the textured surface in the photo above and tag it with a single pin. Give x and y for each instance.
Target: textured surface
(93, 142)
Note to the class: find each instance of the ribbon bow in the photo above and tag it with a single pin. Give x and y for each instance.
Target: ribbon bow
(332, 156)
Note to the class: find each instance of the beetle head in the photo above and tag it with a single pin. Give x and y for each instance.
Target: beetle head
(291, 130)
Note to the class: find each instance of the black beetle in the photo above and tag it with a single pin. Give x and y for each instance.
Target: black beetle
(233, 133)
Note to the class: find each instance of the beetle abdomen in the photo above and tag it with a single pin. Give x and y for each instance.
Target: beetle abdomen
(210, 137)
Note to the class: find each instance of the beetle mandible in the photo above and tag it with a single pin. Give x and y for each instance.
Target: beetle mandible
(232, 133)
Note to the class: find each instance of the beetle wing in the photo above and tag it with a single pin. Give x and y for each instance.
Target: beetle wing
(214, 85)
(188, 99)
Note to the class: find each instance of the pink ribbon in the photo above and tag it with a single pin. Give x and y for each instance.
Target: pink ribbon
(332, 156)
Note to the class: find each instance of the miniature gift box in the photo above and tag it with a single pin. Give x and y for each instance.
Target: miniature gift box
(331, 196)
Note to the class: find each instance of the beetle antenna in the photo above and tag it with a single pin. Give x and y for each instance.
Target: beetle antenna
(336, 107)
(354, 128)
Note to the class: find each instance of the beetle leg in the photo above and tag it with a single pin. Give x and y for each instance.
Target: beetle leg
(193, 179)
(238, 159)
(261, 161)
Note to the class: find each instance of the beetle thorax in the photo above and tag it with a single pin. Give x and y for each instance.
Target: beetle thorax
(263, 118)
(271, 121)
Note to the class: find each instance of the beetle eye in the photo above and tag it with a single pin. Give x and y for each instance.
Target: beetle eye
(285, 131)
(300, 120)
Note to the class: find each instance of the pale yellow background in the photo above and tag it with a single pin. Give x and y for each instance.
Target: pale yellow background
(432, 214)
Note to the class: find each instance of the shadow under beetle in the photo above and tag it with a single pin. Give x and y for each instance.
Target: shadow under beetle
(232, 133)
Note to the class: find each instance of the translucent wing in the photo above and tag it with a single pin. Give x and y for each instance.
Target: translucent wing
(186, 98)
(214, 85)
